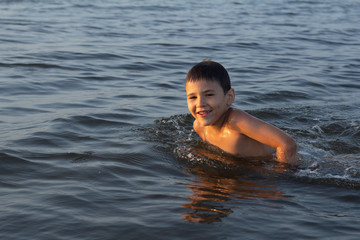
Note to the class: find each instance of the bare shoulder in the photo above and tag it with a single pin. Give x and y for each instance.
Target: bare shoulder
(242, 121)
(197, 127)
(236, 114)
(238, 117)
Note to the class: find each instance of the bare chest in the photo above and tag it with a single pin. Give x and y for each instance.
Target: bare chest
(238, 144)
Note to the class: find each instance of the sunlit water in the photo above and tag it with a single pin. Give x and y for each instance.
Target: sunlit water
(96, 139)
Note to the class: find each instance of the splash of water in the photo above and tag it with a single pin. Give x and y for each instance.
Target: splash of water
(318, 162)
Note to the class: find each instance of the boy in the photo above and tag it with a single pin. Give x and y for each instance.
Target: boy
(209, 97)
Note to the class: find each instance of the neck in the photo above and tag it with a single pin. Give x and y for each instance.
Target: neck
(218, 125)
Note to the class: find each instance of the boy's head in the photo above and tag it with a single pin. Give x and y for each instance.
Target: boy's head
(209, 93)
(208, 70)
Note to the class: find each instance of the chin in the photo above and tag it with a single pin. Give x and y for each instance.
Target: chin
(205, 123)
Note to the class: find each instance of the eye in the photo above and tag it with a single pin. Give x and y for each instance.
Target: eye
(210, 94)
(192, 97)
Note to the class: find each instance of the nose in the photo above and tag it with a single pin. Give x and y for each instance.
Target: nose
(201, 101)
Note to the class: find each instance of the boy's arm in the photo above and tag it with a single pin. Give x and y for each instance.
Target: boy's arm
(267, 134)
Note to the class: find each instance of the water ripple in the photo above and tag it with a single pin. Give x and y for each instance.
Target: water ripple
(96, 135)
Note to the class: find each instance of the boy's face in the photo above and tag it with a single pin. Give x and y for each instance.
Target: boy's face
(207, 102)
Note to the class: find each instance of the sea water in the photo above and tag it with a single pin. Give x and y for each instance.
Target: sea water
(96, 141)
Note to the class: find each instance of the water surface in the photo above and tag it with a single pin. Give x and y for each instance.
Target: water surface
(96, 139)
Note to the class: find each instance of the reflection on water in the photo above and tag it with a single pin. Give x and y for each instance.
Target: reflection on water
(79, 78)
(220, 177)
(210, 192)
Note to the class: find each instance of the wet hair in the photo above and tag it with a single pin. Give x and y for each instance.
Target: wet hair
(209, 71)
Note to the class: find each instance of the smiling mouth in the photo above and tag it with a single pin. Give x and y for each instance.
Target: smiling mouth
(203, 113)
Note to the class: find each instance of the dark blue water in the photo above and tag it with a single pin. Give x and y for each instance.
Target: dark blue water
(95, 135)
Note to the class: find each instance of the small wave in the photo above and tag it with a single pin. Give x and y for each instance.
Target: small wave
(65, 106)
(328, 144)
(245, 45)
(177, 136)
(322, 41)
(165, 85)
(279, 96)
(20, 111)
(138, 66)
(34, 65)
(11, 40)
(166, 44)
(341, 170)
(11, 158)
(67, 55)
(90, 122)
(54, 140)
(17, 168)
(40, 142)
(26, 88)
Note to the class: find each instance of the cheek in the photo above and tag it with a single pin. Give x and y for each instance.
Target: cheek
(190, 105)
(216, 103)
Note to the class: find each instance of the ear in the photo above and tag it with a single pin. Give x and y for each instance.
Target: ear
(230, 97)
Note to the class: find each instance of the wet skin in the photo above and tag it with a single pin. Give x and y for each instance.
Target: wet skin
(233, 130)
